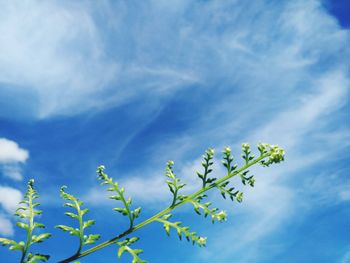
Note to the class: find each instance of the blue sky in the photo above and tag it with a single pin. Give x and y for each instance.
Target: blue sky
(131, 84)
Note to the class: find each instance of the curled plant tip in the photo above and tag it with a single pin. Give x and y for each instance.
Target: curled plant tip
(274, 152)
(125, 247)
(27, 212)
(247, 153)
(174, 183)
(181, 230)
(227, 160)
(119, 196)
(75, 204)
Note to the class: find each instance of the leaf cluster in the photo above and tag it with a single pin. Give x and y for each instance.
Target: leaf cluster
(27, 213)
(125, 247)
(181, 230)
(173, 183)
(207, 165)
(75, 204)
(119, 196)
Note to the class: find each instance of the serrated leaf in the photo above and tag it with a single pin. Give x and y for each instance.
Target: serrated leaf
(39, 225)
(6, 242)
(38, 212)
(167, 216)
(123, 211)
(22, 225)
(22, 215)
(38, 257)
(72, 215)
(167, 229)
(84, 211)
(40, 238)
(92, 239)
(88, 223)
(64, 228)
(70, 205)
(138, 251)
(75, 232)
(121, 250)
(17, 246)
(115, 197)
(136, 212)
(132, 240)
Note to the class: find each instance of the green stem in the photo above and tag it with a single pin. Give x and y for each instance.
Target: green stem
(30, 227)
(163, 212)
(125, 205)
(205, 175)
(81, 230)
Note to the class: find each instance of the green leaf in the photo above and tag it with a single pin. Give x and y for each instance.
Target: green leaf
(121, 250)
(40, 257)
(22, 225)
(88, 223)
(123, 211)
(22, 215)
(92, 239)
(6, 242)
(136, 212)
(70, 205)
(38, 225)
(115, 197)
(17, 246)
(84, 211)
(72, 215)
(40, 238)
(64, 228)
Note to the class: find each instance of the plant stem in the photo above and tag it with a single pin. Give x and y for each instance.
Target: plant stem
(165, 211)
(30, 227)
(81, 230)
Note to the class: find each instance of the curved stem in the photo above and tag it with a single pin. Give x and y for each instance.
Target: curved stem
(81, 229)
(125, 205)
(164, 211)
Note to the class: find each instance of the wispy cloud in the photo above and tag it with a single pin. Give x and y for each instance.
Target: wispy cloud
(285, 92)
(278, 76)
(51, 51)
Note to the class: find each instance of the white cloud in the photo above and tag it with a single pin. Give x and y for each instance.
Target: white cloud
(6, 227)
(11, 156)
(51, 51)
(9, 198)
(10, 152)
(55, 61)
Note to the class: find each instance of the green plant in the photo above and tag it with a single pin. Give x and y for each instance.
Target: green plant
(268, 154)
(27, 212)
